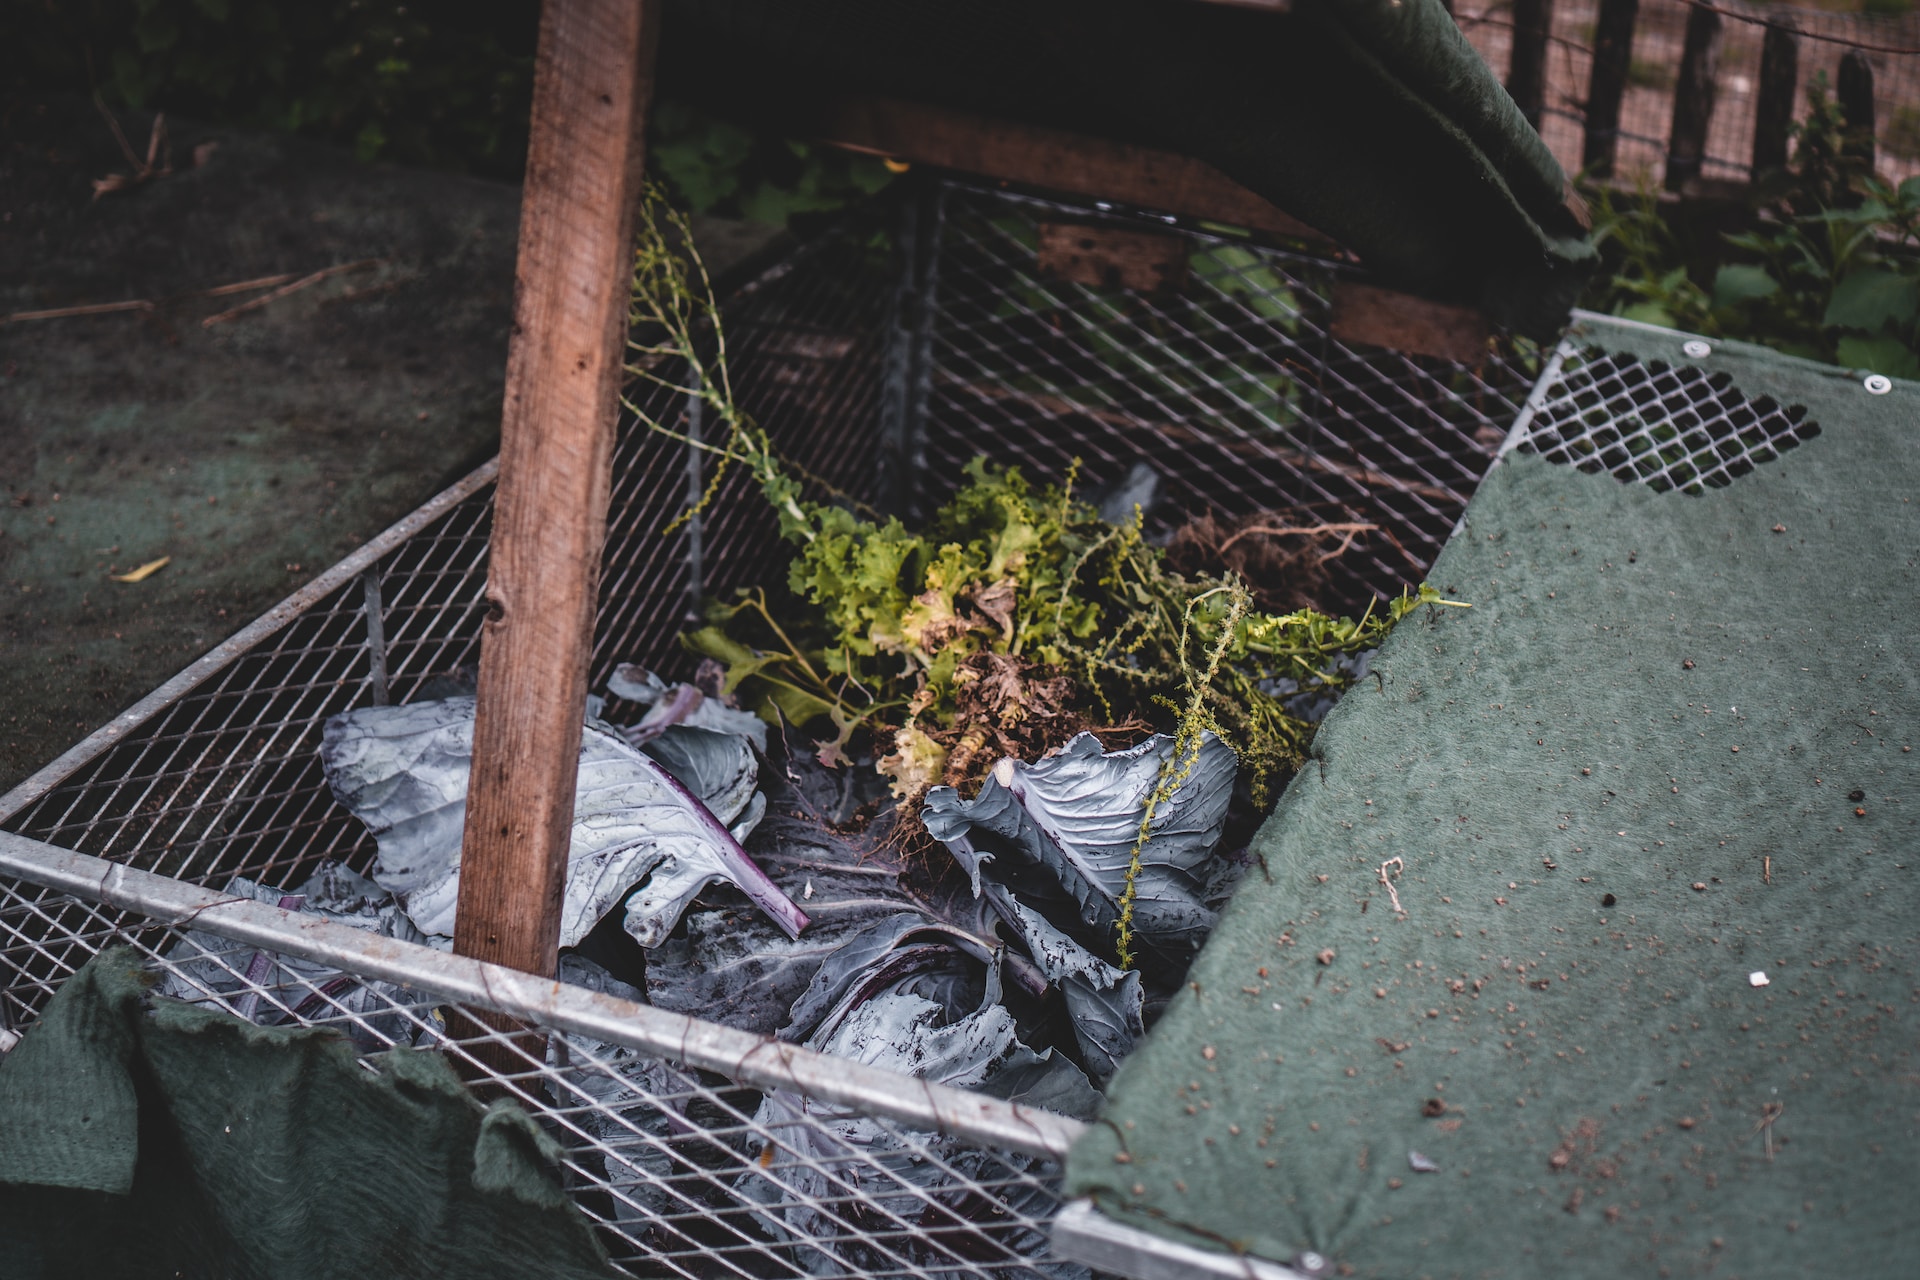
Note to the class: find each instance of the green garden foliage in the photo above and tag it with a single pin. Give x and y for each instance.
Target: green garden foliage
(429, 82)
(1827, 268)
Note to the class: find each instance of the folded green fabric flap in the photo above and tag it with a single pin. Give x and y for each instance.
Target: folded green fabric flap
(1652, 810)
(262, 1152)
(69, 1115)
(1373, 120)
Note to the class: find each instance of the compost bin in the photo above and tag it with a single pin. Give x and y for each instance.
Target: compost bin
(882, 355)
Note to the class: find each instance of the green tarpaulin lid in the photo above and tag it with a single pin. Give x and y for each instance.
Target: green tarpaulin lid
(1649, 810)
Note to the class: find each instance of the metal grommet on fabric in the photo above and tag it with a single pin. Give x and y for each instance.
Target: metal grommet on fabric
(1877, 384)
(1695, 349)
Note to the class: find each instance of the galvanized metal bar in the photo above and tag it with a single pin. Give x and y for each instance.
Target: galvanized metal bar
(376, 637)
(758, 1061)
(1081, 1233)
(1535, 398)
(907, 373)
(244, 639)
(696, 520)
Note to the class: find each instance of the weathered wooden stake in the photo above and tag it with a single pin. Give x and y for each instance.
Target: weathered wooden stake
(1855, 92)
(593, 77)
(1693, 98)
(1527, 68)
(1612, 61)
(1779, 85)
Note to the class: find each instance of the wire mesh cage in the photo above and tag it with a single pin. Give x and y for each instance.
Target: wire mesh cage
(881, 355)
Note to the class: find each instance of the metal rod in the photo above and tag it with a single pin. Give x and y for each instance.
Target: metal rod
(696, 522)
(376, 637)
(761, 1062)
(1082, 1234)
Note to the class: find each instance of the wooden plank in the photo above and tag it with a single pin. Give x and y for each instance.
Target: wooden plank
(1376, 317)
(1113, 257)
(1854, 89)
(1612, 59)
(592, 81)
(1527, 63)
(1693, 98)
(1049, 160)
(1773, 106)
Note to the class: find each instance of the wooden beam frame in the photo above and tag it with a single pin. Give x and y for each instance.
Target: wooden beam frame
(1047, 159)
(593, 80)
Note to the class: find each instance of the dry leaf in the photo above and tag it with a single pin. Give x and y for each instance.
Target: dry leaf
(144, 572)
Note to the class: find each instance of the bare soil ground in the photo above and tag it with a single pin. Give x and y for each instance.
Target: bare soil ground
(253, 453)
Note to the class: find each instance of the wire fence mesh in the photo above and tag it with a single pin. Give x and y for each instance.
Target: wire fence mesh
(1890, 42)
(682, 1172)
(880, 357)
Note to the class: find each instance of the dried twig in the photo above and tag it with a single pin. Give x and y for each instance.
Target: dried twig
(1768, 1114)
(1399, 865)
(254, 304)
(159, 161)
(1347, 532)
(240, 286)
(90, 309)
(145, 304)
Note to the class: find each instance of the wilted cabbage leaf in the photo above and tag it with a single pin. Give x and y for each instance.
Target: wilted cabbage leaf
(403, 771)
(274, 989)
(679, 704)
(1105, 1004)
(637, 1112)
(1060, 835)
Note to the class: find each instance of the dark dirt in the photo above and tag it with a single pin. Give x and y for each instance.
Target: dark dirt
(255, 453)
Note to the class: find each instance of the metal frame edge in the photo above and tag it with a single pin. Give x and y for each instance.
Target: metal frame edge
(213, 660)
(756, 1060)
(1082, 1234)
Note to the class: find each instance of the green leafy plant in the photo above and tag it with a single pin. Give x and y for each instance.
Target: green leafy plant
(425, 82)
(1828, 269)
(1014, 618)
(715, 166)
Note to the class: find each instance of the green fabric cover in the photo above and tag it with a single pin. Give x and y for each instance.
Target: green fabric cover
(1373, 120)
(1526, 757)
(142, 1137)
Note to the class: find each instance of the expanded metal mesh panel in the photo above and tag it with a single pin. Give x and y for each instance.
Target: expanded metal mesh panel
(880, 358)
(683, 1173)
(1665, 426)
(1231, 385)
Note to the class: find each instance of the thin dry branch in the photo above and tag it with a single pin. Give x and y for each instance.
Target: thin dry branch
(254, 304)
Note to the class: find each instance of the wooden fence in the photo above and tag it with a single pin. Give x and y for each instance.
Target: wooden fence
(1688, 94)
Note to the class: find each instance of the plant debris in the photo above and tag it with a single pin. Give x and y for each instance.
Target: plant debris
(1015, 619)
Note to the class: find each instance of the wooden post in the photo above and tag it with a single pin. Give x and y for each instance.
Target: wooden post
(1855, 92)
(593, 76)
(1612, 60)
(1693, 98)
(1779, 84)
(1527, 68)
